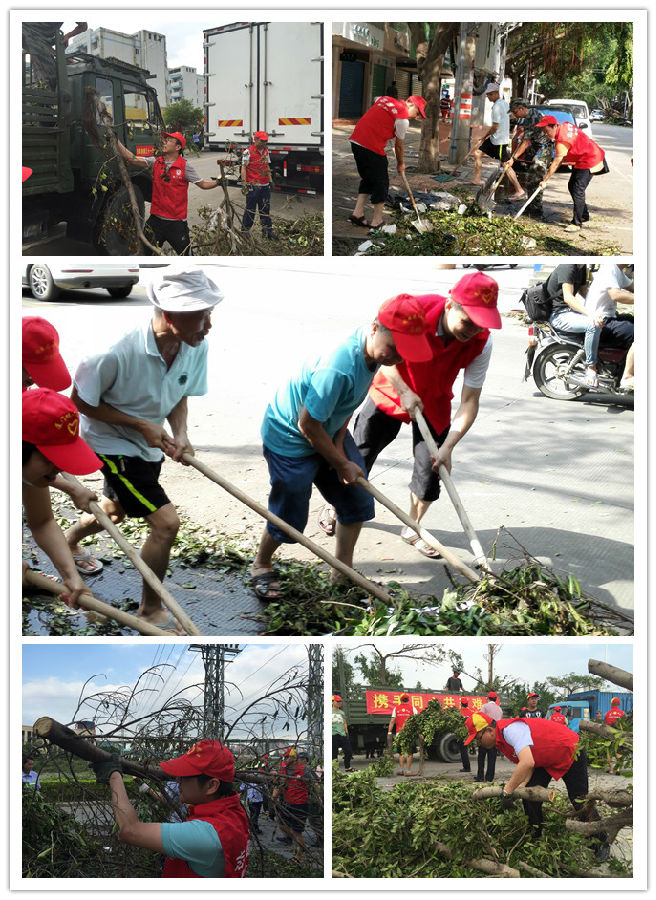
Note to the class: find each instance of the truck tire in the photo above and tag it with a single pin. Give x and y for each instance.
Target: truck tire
(42, 284)
(115, 234)
(119, 293)
(447, 748)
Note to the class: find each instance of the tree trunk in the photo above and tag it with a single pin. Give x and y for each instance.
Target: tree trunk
(603, 731)
(534, 794)
(481, 865)
(611, 673)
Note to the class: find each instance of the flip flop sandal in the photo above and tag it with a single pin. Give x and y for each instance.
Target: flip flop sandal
(87, 558)
(400, 772)
(421, 545)
(592, 380)
(264, 583)
(359, 220)
(328, 520)
(170, 625)
(523, 196)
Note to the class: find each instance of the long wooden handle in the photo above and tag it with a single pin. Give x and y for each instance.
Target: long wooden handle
(298, 536)
(33, 579)
(447, 481)
(410, 194)
(146, 572)
(425, 535)
(466, 157)
(528, 202)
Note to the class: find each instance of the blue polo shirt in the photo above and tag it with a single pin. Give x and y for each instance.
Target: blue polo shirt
(31, 778)
(331, 387)
(133, 378)
(198, 844)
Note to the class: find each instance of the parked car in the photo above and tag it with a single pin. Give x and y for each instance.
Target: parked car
(47, 280)
(597, 115)
(533, 116)
(579, 108)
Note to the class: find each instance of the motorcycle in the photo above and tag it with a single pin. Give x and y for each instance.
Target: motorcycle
(557, 362)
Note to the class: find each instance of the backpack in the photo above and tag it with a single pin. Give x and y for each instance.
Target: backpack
(538, 305)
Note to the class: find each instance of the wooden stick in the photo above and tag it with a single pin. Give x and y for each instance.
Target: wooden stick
(426, 536)
(433, 449)
(146, 572)
(534, 794)
(88, 601)
(298, 536)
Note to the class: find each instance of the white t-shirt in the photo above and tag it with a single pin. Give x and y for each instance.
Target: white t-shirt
(518, 735)
(607, 277)
(476, 371)
(501, 117)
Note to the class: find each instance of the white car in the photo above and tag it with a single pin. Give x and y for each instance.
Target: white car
(580, 110)
(47, 280)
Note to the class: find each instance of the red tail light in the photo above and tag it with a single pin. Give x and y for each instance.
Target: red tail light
(532, 337)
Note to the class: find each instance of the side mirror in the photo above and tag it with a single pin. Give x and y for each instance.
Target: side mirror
(583, 125)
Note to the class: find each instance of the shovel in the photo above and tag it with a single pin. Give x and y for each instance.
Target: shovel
(33, 579)
(419, 225)
(528, 202)
(485, 197)
(455, 171)
(433, 449)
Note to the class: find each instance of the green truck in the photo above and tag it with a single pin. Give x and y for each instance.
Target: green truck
(368, 729)
(74, 177)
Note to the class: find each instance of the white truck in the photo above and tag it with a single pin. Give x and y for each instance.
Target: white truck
(268, 76)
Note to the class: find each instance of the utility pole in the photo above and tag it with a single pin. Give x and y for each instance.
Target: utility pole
(464, 90)
(315, 697)
(215, 657)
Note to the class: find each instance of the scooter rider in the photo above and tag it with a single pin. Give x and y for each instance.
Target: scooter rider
(566, 288)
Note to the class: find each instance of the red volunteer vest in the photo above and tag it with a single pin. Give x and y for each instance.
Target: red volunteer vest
(559, 718)
(230, 822)
(257, 170)
(432, 380)
(613, 714)
(403, 713)
(553, 744)
(582, 152)
(170, 197)
(376, 127)
(297, 791)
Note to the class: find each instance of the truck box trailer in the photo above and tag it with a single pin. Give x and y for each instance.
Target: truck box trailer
(268, 76)
(585, 705)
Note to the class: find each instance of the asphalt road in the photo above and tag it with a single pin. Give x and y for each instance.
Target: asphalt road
(558, 476)
(283, 205)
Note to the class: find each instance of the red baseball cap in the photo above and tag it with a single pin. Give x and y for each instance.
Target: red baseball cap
(26, 172)
(556, 708)
(262, 135)
(337, 698)
(51, 422)
(532, 695)
(546, 120)
(493, 695)
(405, 698)
(205, 758)
(419, 102)
(464, 701)
(615, 701)
(475, 723)
(177, 135)
(478, 294)
(404, 316)
(41, 357)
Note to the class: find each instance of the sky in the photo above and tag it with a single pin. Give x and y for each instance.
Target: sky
(54, 674)
(527, 661)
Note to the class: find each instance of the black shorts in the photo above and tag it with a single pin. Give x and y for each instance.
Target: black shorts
(499, 152)
(618, 331)
(374, 430)
(134, 483)
(175, 231)
(294, 816)
(372, 169)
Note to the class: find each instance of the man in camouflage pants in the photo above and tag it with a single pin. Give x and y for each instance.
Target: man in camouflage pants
(535, 151)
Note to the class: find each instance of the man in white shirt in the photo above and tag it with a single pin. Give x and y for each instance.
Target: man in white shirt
(610, 285)
(496, 141)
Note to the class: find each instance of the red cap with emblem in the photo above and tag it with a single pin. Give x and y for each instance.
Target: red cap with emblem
(404, 316)
(477, 293)
(475, 723)
(41, 357)
(176, 135)
(51, 422)
(205, 758)
(546, 120)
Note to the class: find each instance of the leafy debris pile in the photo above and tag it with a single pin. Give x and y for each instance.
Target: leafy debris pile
(219, 234)
(432, 722)
(620, 748)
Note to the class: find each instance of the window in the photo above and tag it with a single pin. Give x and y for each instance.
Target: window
(105, 91)
(139, 107)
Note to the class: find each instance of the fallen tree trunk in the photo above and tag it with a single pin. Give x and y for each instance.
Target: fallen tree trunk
(604, 731)
(482, 865)
(611, 673)
(534, 794)
(536, 873)
(610, 825)
(613, 798)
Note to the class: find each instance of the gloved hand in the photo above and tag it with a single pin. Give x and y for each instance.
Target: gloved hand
(246, 187)
(507, 800)
(104, 769)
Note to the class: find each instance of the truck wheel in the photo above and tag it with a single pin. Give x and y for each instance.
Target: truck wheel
(447, 748)
(118, 293)
(115, 233)
(42, 283)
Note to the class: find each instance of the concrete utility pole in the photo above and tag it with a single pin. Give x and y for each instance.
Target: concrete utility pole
(464, 90)
(214, 658)
(315, 697)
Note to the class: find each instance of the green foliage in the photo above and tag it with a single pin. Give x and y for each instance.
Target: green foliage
(375, 671)
(392, 833)
(383, 766)
(620, 748)
(567, 684)
(183, 116)
(432, 722)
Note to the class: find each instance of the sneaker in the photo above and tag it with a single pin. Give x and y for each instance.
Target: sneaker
(479, 779)
(602, 852)
(573, 229)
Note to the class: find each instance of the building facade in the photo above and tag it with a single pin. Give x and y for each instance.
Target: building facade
(186, 84)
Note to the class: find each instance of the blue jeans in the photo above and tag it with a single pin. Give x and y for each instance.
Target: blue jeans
(259, 197)
(571, 322)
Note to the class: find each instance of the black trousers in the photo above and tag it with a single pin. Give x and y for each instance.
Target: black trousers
(575, 780)
(464, 756)
(175, 231)
(491, 756)
(374, 176)
(254, 810)
(373, 430)
(341, 740)
(577, 184)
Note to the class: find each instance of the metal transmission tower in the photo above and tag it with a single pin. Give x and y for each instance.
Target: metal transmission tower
(214, 658)
(315, 697)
